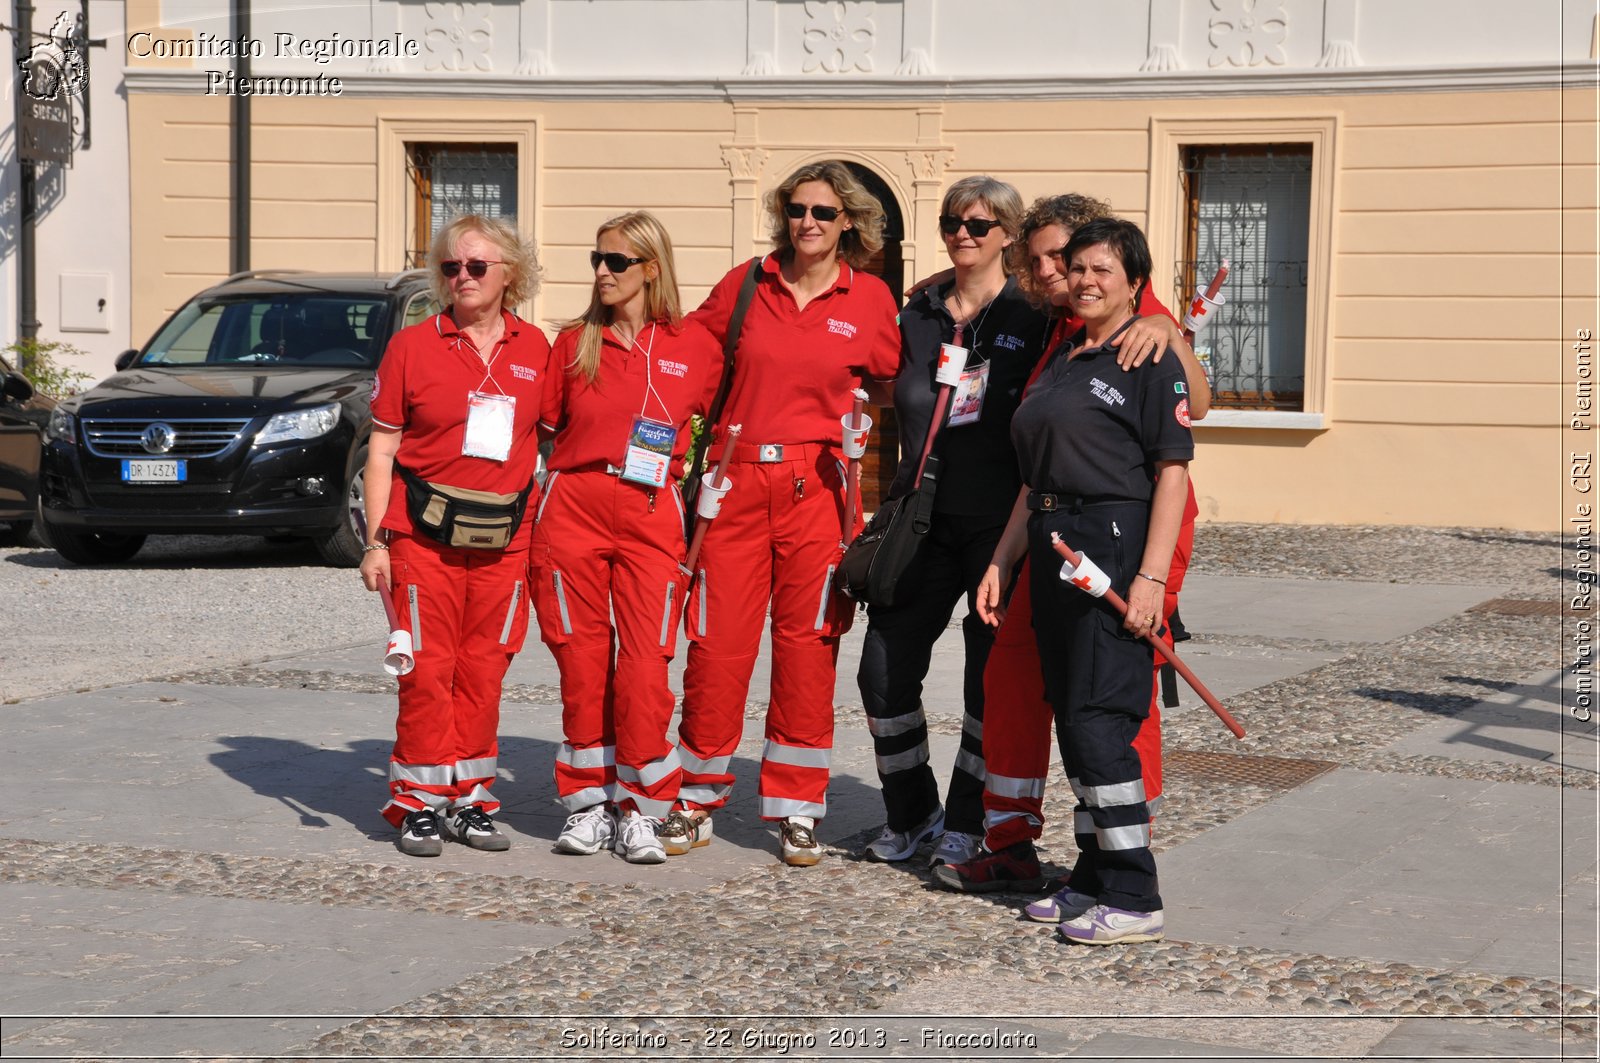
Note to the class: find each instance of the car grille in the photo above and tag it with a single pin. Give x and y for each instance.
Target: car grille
(120, 437)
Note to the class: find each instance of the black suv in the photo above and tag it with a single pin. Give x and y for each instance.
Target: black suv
(247, 413)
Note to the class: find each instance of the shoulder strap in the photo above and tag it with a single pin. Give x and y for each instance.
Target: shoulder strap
(730, 344)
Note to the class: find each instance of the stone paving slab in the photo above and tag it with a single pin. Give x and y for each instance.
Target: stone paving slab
(1522, 723)
(92, 953)
(1330, 610)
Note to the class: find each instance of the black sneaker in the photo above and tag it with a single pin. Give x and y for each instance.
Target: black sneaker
(419, 834)
(472, 827)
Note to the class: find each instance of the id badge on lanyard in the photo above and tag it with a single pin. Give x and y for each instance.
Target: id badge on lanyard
(966, 404)
(490, 421)
(648, 459)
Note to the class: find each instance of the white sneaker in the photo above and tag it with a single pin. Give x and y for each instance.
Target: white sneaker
(637, 840)
(955, 848)
(895, 845)
(589, 831)
(797, 837)
(1105, 925)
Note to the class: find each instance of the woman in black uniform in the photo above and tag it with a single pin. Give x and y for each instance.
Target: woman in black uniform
(983, 311)
(1090, 442)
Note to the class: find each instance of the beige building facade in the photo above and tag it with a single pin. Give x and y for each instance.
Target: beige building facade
(1440, 219)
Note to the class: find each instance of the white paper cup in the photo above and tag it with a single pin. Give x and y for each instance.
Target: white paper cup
(397, 657)
(709, 504)
(1200, 310)
(1087, 576)
(952, 363)
(855, 439)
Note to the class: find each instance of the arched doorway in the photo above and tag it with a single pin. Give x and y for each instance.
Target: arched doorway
(878, 466)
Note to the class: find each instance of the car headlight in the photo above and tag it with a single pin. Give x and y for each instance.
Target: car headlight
(300, 424)
(60, 425)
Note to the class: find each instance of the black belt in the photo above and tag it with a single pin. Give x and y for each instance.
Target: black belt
(1046, 502)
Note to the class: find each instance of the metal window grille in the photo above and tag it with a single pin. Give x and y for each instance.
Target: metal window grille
(453, 179)
(1250, 204)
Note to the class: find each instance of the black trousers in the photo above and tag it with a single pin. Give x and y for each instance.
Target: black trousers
(1097, 679)
(894, 663)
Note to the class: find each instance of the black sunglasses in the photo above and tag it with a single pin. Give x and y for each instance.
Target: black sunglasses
(615, 261)
(977, 228)
(476, 268)
(798, 211)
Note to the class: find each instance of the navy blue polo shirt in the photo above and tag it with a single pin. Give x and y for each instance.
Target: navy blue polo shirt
(978, 466)
(1087, 428)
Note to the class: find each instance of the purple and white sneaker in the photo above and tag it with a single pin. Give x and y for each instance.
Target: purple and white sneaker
(1105, 925)
(1065, 903)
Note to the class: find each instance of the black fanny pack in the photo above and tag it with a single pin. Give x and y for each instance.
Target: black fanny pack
(460, 516)
(875, 564)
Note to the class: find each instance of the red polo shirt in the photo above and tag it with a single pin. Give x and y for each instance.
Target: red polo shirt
(421, 389)
(593, 420)
(794, 367)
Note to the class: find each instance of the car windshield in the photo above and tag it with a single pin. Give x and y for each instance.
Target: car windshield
(315, 328)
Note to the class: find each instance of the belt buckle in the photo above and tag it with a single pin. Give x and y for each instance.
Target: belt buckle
(1047, 503)
(767, 453)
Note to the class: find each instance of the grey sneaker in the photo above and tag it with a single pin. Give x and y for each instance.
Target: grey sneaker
(797, 837)
(419, 834)
(1105, 925)
(637, 841)
(589, 831)
(685, 830)
(955, 848)
(893, 846)
(1064, 904)
(472, 827)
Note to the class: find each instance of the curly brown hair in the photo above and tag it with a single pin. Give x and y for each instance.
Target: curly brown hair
(1071, 211)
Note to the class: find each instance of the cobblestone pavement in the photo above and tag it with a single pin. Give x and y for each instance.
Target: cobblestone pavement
(650, 967)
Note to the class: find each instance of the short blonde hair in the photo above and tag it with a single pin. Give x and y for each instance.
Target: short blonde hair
(648, 237)
(520, 258)
(857, 244)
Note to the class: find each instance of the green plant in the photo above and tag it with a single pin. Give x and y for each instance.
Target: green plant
(39, 361)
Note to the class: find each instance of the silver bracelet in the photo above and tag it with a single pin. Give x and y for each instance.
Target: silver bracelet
(374, 546)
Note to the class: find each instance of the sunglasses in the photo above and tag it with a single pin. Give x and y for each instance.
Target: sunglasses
(977, 228)
(615, 261)
(798, 211)
(476, 268)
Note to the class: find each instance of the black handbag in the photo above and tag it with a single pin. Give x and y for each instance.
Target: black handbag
(874, 565)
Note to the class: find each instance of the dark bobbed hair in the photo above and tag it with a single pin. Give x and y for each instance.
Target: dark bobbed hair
(1125, 240)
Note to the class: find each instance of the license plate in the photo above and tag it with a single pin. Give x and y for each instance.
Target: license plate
(175, 471)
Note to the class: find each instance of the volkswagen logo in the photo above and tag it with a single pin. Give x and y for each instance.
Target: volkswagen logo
(158, 438)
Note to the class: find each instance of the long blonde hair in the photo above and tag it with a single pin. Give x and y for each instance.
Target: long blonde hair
(648, 237)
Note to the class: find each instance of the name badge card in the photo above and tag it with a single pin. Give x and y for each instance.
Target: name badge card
(966, 403)
(649, 455)
(490, 421)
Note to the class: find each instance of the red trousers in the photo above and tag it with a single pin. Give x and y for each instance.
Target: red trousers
(775, 545)
(1017, 718)
(467, 611)
(607, 552)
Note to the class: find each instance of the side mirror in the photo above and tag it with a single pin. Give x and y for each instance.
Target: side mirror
(126, 358)
(16, 387)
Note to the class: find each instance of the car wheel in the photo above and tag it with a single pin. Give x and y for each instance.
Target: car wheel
(89, 547)
(342, 547)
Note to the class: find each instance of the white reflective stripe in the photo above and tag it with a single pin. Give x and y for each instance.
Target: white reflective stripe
(704, 795)
(482, 768)
(970, 763)
(549, 489)
(422, 797)
(972, 726)
(1154, 804)
(646, 805)
(1077, 788)
(905, 761)
(704, 594)
(798, 756)
(1017, 789)
(991, 820)
(666, 613)
(561, 602)
(511, 612)
(784, 807)
(657, 770)
(1134, 837)
(587, 797)
(709, 766)
(416, 618)
(593, 757)
(422, 774)
(822, 605)
(1113, 794)
(844, 478)
(1082, 821)
(677, 500)
(888, 726)
(480, 795)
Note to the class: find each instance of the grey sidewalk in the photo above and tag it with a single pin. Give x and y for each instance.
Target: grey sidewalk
(1398, 861)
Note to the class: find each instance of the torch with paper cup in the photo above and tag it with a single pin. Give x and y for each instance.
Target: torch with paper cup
(398, 656)
(709, 501)
(1206, 300)
(857, 426)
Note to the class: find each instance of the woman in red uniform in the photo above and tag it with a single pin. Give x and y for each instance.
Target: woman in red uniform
(625, 378)
(454, 407)
(817, 327)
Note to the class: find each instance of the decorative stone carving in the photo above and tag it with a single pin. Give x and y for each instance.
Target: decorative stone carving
(535, 63)
(744, 161)
(929, 165)
(1339, 53)
(457, 36)
(839, 35)
(917, 63)
(760, 65)
(1248, 32)
(1163, 58)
